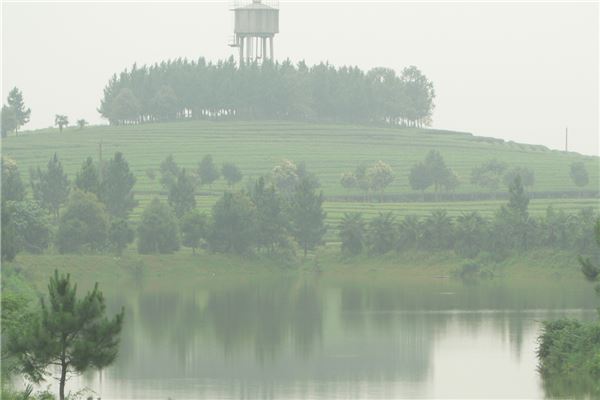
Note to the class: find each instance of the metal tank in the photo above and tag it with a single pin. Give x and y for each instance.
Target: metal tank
(256, 23)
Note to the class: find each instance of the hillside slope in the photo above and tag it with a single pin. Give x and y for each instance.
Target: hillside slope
(328, 150)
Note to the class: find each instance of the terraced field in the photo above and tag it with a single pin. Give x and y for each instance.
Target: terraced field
(328, 150)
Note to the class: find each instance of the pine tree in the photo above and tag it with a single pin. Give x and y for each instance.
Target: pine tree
(50, 187)
(193, 229)
(231, 173)
(69, 333)
(9, 120)
(518, 199)
(88, 179)
(15, 101)
(181, 194)
(207, 171)
(307, 216)
(117, 187)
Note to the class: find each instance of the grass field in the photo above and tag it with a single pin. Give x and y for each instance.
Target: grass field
(328, 150)
(185, 269)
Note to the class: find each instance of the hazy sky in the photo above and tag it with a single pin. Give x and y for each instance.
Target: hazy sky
(516, 71)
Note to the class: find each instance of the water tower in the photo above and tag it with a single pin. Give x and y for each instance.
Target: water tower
(256, 23)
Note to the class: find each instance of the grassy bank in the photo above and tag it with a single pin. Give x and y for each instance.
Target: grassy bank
(185, 268)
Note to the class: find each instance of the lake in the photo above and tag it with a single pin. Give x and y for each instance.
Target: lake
(306, 336)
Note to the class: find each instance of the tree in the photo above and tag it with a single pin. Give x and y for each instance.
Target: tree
(82, 123)
(120, 235)
(285, 177)
(382, 233)
(527, 176)
(15, 101)
(207, 171)
(84, 224)
(87, 179)
(12, 185)
(471, 230)
(589, 269)
(380, 176)
(180, 89)
(69, 333)
(51, 186)
(272, 224)
(169, 170)
(158, 231)
(420, 94)
(307, 216)
(437, 169)
(31, 230)
(518, 200)
(411, 232)
(419, 177)
(16, 314)
(193, 229)
(9, 245)
(125, 108)
(512, 225)
(231, 173)
(451, 182)
(438, 230)
(61, 121)
(9, 120)
(352, 233)
(233, 224)
(489, 175)
(181, 194)
(165, 104)
(348, 180)
(116, 189)
(361, 179)
(579, 174)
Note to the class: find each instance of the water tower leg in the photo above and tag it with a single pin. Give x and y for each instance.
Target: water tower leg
(241, 43)
(271, 52)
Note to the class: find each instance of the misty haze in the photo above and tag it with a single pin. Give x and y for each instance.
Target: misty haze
(274, 199)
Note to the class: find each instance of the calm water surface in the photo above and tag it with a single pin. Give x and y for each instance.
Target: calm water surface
(309, 337)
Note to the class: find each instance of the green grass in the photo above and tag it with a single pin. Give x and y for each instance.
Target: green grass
(329, 150)
(185, 269)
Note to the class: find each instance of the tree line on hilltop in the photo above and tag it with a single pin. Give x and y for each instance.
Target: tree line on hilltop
(183, 89)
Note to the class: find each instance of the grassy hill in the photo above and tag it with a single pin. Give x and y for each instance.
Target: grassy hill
(328, 150)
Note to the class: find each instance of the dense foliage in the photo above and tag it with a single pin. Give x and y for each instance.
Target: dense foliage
(276, 214)
(569, 350)
(511, 230)
(181, 89)
(14, 113)
(68, 333)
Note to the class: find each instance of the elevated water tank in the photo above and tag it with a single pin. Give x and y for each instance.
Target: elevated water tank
(256, 23)
(257, 19)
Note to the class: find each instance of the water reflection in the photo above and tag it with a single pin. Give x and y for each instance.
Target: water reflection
(301, 336)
